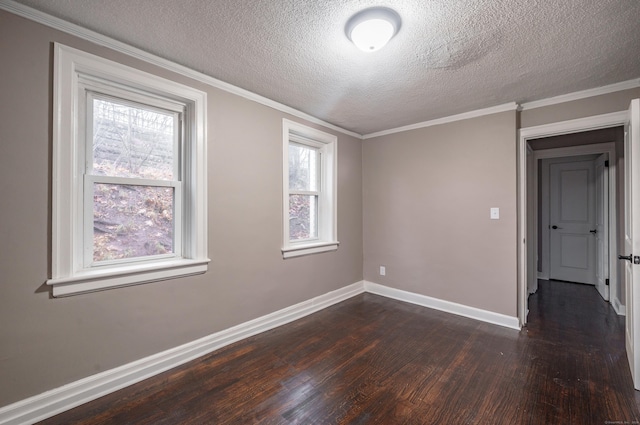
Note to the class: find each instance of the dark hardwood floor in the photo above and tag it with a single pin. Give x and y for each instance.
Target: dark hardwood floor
(372, 360)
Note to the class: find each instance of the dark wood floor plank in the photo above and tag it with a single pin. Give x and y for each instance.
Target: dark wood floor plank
(372, 360)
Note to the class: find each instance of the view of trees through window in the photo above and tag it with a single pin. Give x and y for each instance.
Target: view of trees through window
(139, 144)
(303, 191)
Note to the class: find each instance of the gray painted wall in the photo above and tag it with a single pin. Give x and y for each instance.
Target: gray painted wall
(427, 195)
(50, 342)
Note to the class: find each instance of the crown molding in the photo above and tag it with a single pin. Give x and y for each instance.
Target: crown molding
(102, 40)
(612, 88)
(512, 106)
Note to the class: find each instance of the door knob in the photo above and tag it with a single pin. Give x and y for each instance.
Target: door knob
(554, 227)
(625, 257)
(594, 231)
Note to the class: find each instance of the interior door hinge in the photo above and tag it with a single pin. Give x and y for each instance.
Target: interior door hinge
(606, 163)
(606, 282)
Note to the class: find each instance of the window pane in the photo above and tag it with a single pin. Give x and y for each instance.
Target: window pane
(131, 221)
(303, 213)
(132, 141)
(303, 167)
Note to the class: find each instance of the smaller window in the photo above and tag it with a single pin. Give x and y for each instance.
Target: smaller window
(309, 188)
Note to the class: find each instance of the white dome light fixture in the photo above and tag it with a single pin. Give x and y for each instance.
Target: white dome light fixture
(370, 29)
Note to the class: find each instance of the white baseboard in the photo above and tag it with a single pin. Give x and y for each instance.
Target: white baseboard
(56, 401)
(442, 305)
(618, 307)
(50, 403)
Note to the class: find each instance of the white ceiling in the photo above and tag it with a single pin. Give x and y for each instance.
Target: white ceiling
(450, 56)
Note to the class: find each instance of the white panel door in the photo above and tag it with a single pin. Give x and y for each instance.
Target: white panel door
(632, 238)
(572, 246)
(602, 225)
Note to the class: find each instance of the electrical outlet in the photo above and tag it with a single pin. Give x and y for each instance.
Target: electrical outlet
(383, 271)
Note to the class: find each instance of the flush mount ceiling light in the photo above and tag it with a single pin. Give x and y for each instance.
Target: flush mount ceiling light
(370, 29)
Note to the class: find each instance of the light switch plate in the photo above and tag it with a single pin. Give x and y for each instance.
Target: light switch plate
(495, 213)
(383, 270)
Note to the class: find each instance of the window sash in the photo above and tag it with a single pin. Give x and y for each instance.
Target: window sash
(314, 218)
(134, 100)
(317, 167)
(316, 215)
(88, 209)
(87, 95)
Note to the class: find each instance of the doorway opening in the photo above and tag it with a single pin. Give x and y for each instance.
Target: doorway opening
(562, 140)
(575, 179)
(574, 204)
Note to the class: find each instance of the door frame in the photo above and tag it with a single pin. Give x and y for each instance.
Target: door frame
(525, 243)
(570, 152)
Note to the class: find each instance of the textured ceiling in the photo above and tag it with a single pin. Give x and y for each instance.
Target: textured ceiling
(450, 56)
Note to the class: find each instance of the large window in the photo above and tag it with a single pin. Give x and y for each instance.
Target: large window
(309, 187)
(129, 201)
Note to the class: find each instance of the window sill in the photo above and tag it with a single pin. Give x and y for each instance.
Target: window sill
(113, 277)
(308, 249)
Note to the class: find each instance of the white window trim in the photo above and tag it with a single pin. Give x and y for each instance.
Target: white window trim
(69, 276)
(328, 203)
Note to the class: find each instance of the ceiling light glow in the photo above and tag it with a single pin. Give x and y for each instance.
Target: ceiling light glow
(371, 29)
(370, 36)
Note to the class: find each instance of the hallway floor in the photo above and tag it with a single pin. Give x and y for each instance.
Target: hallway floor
(578, 365)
